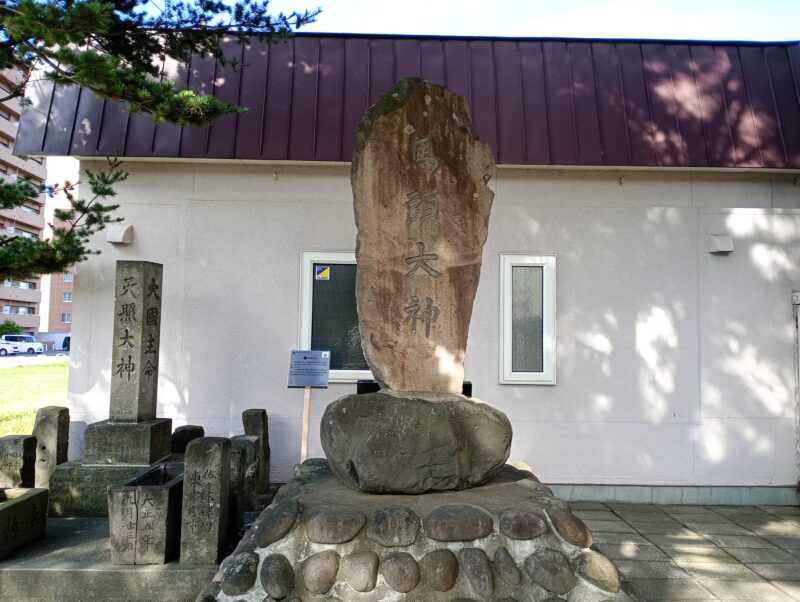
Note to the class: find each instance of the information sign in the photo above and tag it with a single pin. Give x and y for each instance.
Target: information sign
(309, 369)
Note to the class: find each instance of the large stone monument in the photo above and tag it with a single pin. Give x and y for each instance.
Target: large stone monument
(355, 527)
(117, 449)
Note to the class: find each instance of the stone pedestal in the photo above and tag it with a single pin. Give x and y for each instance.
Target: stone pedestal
(51, 430)
(144, 516)
(508, 539)
(22, 517)
(127, 443)
(80, 489)
(17, 460)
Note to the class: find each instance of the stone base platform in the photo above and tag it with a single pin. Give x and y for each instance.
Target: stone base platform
(80, 489)
(507, 540)
(74, 563)
(108, 442)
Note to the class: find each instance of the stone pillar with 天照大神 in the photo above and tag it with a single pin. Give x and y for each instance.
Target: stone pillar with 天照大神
(421, 200)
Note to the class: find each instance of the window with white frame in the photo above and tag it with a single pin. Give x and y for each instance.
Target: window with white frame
(66, 297)
(66, 318)
(528, 319)
(67, 276)
(328, 314)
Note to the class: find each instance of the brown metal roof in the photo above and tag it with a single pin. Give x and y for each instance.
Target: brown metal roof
(537, 102)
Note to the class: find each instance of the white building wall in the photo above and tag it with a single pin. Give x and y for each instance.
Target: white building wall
(674, 366)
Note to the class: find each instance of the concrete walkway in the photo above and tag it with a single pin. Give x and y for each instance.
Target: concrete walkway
(699, 552)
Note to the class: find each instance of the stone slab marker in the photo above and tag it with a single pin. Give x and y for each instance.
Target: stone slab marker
(204, 522)
(17, 460)
(51, 430)
(249, 445)
(256, 424)
(137, 337)
(236, 489)
(422, 206)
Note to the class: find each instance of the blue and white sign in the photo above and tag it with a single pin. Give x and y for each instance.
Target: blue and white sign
(309, 369)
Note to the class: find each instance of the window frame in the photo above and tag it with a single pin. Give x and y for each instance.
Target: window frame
(68, 320)
(66, 297)
(548, 264)
(308, 259)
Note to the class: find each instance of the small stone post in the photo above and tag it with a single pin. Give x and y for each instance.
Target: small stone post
(256, 424)
(250, 446)
(51, 430)
(206, 483)
(17, 461)
(236, 490)
(182, 435)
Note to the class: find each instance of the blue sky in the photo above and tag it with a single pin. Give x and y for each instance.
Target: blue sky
(673, 19)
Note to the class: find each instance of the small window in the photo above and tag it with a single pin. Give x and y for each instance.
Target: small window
(67, 276)
(30, 286)
(528, 319)
(66, 297)
(66, 318)
(7, 282)
(328, 315)
(6, 309)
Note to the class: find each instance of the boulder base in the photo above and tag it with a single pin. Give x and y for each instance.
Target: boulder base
(389, 443)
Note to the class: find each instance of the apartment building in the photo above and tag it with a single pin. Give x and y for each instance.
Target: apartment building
(19, 299)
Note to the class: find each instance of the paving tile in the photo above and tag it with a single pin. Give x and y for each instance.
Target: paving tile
(609, 526)
(782, 510)
(696, 554)
(682, 509)
(656, 529)
(720, 571)
(787, 543)
(761, 556)
(632, 507)
(648, 569)
(644, 517)
(705, 518)
(780, 572)
(745, 590)
(629, 551)
(632, 538)
(791, 588)
(587, 506)
(734, 511)
(692, 539)
(595, 515)
(718, 528)
(667, 589)
(739, 541)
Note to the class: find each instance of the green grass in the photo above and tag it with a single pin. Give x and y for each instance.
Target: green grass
(25, 389)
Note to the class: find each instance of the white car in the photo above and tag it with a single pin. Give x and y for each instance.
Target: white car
(25, 343)
(7, 348)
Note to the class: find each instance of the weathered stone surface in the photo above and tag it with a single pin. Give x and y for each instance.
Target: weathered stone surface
(319, 571)
(249, 445)
(277, 576)
(456, 522)
(439, 570)
(449, 443)
(17, 461)
(51, 430)
(237, 461)
(333, 524)
(137, 336)
(550, 569)
(256, 424)
(209, 593)
(422, 207)
(475, 565)
(22, 517)
(276, 521)
(393, 526)
(80, 489)
(506, 568)
(106, 442)
(182, 435)
(597, 570)
(205, 500)
(144, 516)
(523, 524)
(401, 571)
(570, 527)
(360, 570)
(240, 574)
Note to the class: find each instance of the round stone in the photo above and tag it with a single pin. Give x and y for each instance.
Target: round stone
(523, 524)
(319, 571)
(506, 568)
(333, 524)
(439, 570)
(570, 527)
(457, 522)
(275, 522)
(401, 572)
(361, 570)
(394, 526)
(240, 574)
(478, 570)
(277, 576)
(453, 443)
(597, 570)
(550, 569)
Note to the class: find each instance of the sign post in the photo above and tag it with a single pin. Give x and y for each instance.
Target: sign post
(308, 370)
